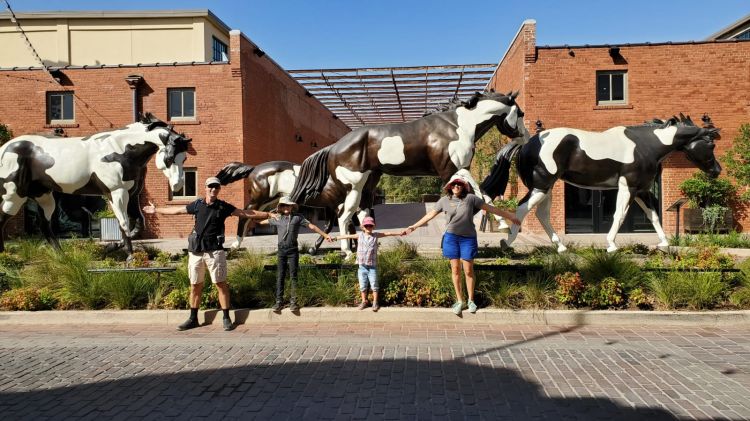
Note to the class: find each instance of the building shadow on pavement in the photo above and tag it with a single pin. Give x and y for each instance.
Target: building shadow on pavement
(342, 389)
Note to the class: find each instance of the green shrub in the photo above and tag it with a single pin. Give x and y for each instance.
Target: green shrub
(27, 299)
(128, 290)
(177, 299)
(741, 298)
(333, 258)
(569, 289)
(555, 263)
(536, 293)
(610, 294)
(703, 191)
(6, 133)
(317, 287)
(694, 290)
(507, 295)
(247, 284)
(306, 259)
(732, 239)
(638, 298)
(598, 265)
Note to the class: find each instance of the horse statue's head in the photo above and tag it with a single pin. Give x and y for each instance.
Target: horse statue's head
(507, 115)
(697, 142)
(172, 151)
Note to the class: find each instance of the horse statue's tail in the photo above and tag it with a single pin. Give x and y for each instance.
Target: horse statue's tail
(496, 182)
(313, 176)
(234, 171)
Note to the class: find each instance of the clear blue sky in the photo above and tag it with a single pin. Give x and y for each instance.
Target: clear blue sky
(354, 33)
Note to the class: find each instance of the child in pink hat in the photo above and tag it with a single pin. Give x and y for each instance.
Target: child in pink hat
(367, 258)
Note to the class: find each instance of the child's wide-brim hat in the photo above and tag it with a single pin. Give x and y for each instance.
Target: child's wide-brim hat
(459, 180)
(287, 201)
(369, 220)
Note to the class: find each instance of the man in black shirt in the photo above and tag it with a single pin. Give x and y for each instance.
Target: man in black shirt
(206, 246)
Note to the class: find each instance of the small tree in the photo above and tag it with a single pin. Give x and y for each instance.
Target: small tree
(6, 134)
(711, 195)
(737, 160)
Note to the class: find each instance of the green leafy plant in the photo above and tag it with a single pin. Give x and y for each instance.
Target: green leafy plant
(703, 191)
(598, 265)
(740, 298)
(610, 293)
(6, 133)
(737, 160)
(694, 290)
(638, 298)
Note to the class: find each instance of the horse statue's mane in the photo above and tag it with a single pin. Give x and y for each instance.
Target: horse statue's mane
(470, 103)
(681, 121)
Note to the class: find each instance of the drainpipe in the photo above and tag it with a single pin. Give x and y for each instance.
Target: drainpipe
(133, 82)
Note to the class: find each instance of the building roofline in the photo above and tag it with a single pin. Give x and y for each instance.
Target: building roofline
(507, 50)
(114, 66)
(730, 28)
(640, 44)
(119, 14)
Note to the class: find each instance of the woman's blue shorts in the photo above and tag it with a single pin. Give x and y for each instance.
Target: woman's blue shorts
(459, 247)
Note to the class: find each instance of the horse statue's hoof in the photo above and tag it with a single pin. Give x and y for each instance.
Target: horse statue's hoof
(561, 248)
(611, 249)
(312, 251)
(235, 245)
(504, 245)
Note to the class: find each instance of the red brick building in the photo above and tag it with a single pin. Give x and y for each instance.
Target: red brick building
(244, 107)
(595, 87)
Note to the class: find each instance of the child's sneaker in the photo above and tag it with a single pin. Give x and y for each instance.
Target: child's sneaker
(293, 307)
(375, 307)
(472, 307)
(362, 305)
(458, 307)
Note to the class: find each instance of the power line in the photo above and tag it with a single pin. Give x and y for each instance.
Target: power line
(14, 19)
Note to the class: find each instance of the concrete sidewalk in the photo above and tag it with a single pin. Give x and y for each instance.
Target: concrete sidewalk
(325, 315)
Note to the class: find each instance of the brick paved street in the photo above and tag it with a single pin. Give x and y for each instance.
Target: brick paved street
(377, 371)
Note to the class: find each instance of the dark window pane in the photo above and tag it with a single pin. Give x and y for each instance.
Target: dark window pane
(190, 183)
(618, 87)
(68, 106)
(188, 103)
(602, 87)
(175, 104)
(55, 107)
(744, 35)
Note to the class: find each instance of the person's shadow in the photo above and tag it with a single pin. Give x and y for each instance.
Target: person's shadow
(402, 388)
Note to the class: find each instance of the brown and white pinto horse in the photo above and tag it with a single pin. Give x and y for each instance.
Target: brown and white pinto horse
(270, 181)
(623, 158)
(439, 144)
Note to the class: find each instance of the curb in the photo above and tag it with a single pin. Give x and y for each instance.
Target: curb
(740, 318)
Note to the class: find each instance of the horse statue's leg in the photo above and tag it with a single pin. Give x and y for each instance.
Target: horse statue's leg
(351, 203)
(529, 201)
(243, 226)
(10, 205)
(543, 215)
(646, 200)
(330, 219)
(625, 196)
(47, 203)
(119, 202)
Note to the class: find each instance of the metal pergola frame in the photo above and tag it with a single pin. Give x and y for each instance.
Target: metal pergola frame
(378, 95)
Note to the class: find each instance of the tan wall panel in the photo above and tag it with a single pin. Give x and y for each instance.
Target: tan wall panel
(16, 53)
(100, 47)
(163, 46)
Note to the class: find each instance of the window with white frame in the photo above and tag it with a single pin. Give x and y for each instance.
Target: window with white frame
(220, 50)
(743, 35)
(611, 87)
(181, 103)
(60, 108)
(190, 189)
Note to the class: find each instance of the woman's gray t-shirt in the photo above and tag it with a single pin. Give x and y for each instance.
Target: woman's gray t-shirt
(460, 213)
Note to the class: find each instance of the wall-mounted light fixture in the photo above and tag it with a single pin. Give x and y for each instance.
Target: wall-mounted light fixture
(298, 137)
(314, 144)
(59, 131)
(614, 52)
(571, 52)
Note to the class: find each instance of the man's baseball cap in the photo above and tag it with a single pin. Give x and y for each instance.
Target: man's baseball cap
(212, 180)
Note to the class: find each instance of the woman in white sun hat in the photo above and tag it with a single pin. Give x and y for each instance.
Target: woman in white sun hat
(459, 241)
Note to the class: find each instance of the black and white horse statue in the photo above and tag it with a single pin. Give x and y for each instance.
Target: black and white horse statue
(110, 164)
(270, 181)
(439, 144)
(623, 158)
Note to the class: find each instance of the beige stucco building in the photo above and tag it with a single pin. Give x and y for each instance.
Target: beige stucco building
(113, 38)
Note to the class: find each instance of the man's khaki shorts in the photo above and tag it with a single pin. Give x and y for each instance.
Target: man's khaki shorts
(215, 261)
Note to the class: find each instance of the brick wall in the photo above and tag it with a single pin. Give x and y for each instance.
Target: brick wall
(663, 80)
